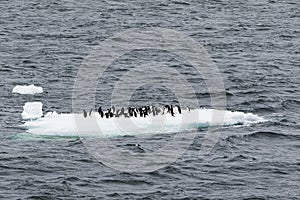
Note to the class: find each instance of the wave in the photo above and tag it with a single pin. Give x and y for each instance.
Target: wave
(291, 104)
(264, 135)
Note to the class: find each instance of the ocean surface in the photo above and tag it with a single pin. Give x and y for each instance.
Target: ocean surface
(255, 45)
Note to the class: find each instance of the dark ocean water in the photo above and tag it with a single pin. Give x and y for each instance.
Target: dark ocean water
(256, 46)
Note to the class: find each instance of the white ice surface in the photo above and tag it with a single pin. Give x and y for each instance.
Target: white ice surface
(27, 89)
(75, 124)
(32, 110)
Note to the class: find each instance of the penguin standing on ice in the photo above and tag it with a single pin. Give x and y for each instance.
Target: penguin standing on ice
(90, 113)
(141, 112)
(153, 111)
(113, 109)
(135, 114)
(84, 113)
(172, 111)
(157, 110)
(110, 113)
(130, 112)
(117, 113)
(148, 108)
(188, 109)
(179, 109)
(100, 112)
(122, 111)
(168, 109)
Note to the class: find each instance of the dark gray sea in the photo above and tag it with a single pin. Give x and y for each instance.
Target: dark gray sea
(255, 44)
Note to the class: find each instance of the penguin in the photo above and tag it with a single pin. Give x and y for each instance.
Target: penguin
(179, 109)
(113, 109)
(130, 112)
(107, 115)
(188, 108)
(148, 109)
(122, 111)
(90, 113)
(117, 113)
(168, 109)
(141, 112)
(110, 113)
(84, 113)
(135, 115)
(157, 110)
(100, 112)
(172, 111)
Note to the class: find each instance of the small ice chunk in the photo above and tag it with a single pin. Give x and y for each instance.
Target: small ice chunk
(32, 110)
(27, 89)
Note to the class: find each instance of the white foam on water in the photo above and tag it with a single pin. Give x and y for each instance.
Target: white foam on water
(32, 110)
(55, 124)
(27, 89)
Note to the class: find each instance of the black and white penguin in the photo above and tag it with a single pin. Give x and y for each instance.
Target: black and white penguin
(117, 113)
(148, 109)
(130, 112)
(100, 112)
(157, 110)
(145, 114)
(179, 109)
(168, 109)
(122, 111)
(90, 113)
(110, 113)
(84, 113)
(172, 111)
(134, 113)
(140, 111)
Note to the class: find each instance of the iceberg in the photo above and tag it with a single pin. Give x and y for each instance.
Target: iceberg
(27, 89)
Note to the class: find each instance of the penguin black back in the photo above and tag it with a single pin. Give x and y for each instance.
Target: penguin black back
(168, 108)
(111, 114)
(122, 111)
(172, 111)
(100, 112)
(179, 109)
(84, 113)
(135, 115)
